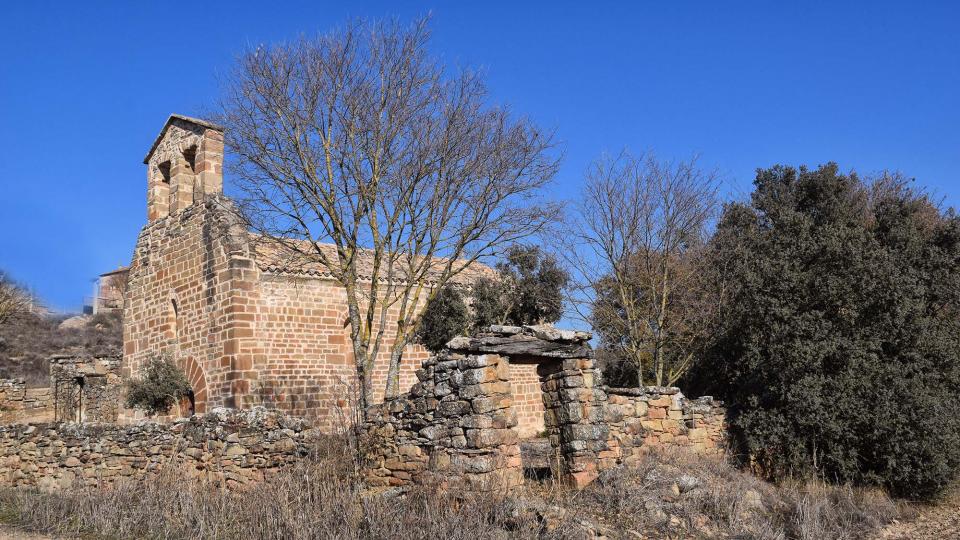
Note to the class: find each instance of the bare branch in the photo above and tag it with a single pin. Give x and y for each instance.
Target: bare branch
(357, 151)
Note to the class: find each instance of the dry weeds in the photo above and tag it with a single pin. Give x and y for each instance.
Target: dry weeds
(663, 496)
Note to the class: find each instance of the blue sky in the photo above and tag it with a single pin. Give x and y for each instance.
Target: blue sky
(85, 87)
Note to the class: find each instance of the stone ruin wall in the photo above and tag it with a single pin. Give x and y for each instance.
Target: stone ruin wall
(457, 418)
(86, 388)
(658, 416)
(15, 396)
(224, 446)
(459, 424)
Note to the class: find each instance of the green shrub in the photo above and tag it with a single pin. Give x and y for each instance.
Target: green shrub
(838, 348)
(528, 290)
(444, 318)
(162, 385)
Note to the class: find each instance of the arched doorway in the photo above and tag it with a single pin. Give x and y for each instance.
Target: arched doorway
(195, 402)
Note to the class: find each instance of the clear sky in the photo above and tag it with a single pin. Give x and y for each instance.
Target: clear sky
(86, 86)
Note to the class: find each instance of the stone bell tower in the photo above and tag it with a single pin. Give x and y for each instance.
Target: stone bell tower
(184, 165)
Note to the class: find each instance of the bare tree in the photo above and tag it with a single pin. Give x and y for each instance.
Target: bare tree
(638, 229)
(14, 299)
(360, 140)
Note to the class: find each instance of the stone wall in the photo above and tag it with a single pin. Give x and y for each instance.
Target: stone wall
(306, 367)
(234, 447)
(15, 396)
(191, 295)
(86, 388)
(657, 417)
(460, 425)
(455, 423)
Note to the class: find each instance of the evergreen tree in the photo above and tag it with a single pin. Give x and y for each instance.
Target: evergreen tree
(839, 337)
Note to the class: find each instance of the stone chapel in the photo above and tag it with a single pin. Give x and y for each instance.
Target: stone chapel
(246, 328)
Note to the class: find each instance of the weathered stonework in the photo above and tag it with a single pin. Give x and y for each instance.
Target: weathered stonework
(247, 324)
(85, 388)
(459, 423)
(456, 422)
(15, 396)
(232, 447)
(656, 416)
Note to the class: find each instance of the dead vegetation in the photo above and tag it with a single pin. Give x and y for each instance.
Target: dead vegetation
(28, 340)
(663, 496)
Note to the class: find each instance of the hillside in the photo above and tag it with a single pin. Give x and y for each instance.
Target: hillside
(27, 341)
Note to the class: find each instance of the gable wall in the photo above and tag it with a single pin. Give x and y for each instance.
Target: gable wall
(198, 260)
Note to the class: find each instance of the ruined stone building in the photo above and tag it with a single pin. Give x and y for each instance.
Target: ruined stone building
(247, 328)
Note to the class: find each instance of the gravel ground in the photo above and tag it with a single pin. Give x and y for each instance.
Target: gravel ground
(941, 521)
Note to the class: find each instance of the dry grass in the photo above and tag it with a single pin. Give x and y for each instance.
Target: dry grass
(315, 499)
(27, 341)
(664, 496)
(679, 495)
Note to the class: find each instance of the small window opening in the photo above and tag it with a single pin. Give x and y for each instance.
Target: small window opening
(165, 172)
(190, 155)
(174, 319)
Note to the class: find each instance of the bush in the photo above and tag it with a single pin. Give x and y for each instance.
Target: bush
(838, 352)
(444, 318)
(162, 385)
(528, 290)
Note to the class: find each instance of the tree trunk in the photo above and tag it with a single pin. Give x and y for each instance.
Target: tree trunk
(393, 373)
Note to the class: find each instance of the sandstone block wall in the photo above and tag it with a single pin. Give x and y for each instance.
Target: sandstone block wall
(527, 399)
(233, 447)
(305, 363)
(190, 295)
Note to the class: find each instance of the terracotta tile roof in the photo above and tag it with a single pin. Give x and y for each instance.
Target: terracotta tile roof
(276, 258)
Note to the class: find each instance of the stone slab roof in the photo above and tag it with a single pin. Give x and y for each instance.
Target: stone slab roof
(541, 340)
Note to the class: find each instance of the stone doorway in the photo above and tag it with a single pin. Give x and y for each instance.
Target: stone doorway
(459, 421)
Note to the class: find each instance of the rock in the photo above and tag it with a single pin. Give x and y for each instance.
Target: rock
(688, 483)
(655, 512)
(752, 500)
(74, 323)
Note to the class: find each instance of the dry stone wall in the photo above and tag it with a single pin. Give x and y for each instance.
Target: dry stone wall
(228, 446)
(15, 396)
(86, 388)
(459, 424)
(657, 417)
(455, 423)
